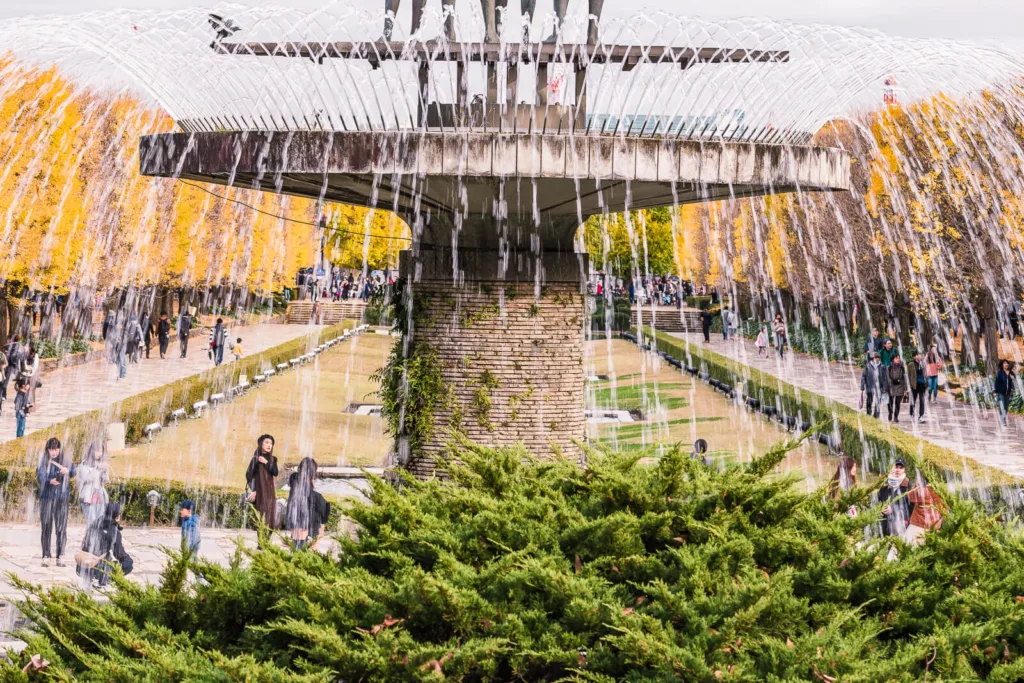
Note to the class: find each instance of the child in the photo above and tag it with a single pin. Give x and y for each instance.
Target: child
(237, 348)
(190, 527)
(21, 405)
(762, 342)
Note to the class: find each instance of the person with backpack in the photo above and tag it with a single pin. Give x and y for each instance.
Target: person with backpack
(897, 387)
(163, 333)
(917, 381)
(874, 385)
(184, 327)
(705, 324)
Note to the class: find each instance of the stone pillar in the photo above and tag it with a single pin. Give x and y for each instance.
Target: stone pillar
(507, 345)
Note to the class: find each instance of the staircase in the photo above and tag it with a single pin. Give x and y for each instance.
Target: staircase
(331, 312)
(669, 319)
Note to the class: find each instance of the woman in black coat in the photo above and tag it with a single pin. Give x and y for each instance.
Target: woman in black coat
(307, 509)
(103, 540)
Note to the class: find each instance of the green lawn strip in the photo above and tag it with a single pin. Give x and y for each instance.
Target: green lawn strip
(628, 430)
(223, 504)
(642, 396)
(860, 434)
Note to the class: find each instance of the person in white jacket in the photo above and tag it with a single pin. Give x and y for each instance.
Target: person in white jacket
(93, 475)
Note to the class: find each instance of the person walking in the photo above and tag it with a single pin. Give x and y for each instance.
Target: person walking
(762, 342)
(874, 385)
(54, 475)
(779, 327)
(29, 370)
(20, 407)
(102, 547)
(260, 478)
(236, 349)
(897, 387)
(218, 339)
(13, 354)
(133, 339)
(184, 328)
(926, 514)
(873, 344)
(726, 324)
(93, 475)
(1005, 384)
(933, 366)
(147, 332)
(163, 334)
(898, 507)
(705, 324)
(4, 371)
(190, 535)
(917, 382)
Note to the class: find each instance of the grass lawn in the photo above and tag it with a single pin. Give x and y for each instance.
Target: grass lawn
(679, 409)
(302, 409)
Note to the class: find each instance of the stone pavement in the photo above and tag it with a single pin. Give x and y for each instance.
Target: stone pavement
(20, 555)
(71, 391)
(960, 427)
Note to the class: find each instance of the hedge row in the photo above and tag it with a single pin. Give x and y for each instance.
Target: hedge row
(863, 437)
(223, 504)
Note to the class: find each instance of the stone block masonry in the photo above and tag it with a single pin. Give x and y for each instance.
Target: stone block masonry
(510, 353)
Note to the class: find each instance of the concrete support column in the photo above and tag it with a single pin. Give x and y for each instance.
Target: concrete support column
(507, 340)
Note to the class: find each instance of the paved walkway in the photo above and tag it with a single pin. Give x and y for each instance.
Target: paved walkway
(970, 431)
(71, 391)
(20, 555)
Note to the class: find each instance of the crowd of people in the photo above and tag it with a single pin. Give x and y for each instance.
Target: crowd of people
(659, 290)
(304, 517)
(334, 284)
(19, 362)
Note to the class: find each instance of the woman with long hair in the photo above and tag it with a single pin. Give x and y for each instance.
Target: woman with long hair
(933, 365)
(103, 547)
(54, 476)
(307, 509)
(844, 479)
(93, 475)
(260, 480)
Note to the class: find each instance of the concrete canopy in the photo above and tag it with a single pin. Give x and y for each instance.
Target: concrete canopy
(552, 181)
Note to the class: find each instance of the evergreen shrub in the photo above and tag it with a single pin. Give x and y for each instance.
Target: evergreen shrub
(518, 569)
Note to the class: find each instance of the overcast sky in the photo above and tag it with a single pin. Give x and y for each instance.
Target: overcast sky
(982, 20)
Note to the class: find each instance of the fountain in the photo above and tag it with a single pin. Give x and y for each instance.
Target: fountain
(494, 187)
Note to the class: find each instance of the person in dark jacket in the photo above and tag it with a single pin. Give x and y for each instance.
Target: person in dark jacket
(13, 353)
(147, 331)
(103, 540)
(163, 333)
(1004, 387)
(874, 384)
(220, 337)
(54, 475)
(307, 509)
(184, 327)
(705, 324)
(897, 387)
(260, 480)
(893, 494)
(917, 382)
